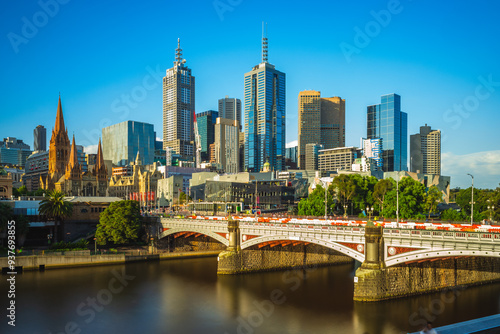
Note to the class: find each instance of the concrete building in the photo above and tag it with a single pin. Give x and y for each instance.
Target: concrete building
(321, 121)
(227, 144)
(169, 190)
(340, 158)
(37, 165)
(5, 185)
(206, 127)
(387, 122)
(121, 142)
(265, 111)
(425, 151)
(179, 107)
(230, 108)
(312, 152)
(40, 138)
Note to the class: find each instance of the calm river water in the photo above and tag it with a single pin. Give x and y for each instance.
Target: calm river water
(187, 296)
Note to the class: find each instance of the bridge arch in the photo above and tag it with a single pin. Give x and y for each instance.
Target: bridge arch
(328, 244)
(427, 254)
(210, 234)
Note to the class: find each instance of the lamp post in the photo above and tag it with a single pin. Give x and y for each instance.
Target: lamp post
(397, 200)
(326, 194)
(95, 246)
(370, 212)
(491, 208)
(345, 210)
(472, 201)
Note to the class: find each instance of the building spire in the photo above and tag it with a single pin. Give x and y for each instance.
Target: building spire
(264, 43)
(73, 156)
(59, 118)
(178, 53)
(100, 159)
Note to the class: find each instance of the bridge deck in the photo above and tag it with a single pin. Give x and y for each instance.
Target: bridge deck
(484, 325)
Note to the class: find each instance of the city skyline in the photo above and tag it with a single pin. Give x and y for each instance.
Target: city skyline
(445, 70)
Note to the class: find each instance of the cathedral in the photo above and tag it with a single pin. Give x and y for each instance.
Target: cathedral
(65, 173)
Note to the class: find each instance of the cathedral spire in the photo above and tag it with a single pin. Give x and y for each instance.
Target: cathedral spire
(59, 118)
(100, 159)
(73, 156)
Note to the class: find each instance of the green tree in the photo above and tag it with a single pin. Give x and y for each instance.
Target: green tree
(57, 207)
(346, 188)
(314, 205)
(119, 223)
(453, 215)
(411, 199)
(363, 196)
(380, 190)
(432, 198)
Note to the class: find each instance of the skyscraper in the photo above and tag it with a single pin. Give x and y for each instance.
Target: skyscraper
(40, 138)
(178, 107)
(264, 116)
(121, 142)
(226, 144)
(230, 108)
(206, 122)
(425, 151)
(321, 121)
(387, 122)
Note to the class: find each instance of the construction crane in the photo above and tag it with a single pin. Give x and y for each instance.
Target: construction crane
(197, 142)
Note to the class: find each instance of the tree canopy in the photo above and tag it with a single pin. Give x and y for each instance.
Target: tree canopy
(119, 223)
(55, 206)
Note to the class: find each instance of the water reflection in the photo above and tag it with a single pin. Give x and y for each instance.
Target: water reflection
(187, 296)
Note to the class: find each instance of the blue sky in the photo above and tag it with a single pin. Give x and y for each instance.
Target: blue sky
(107, 60)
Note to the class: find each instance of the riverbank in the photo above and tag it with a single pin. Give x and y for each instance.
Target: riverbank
(43, 262)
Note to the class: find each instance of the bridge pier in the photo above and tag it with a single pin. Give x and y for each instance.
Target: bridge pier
(374, 281)
(230, 260)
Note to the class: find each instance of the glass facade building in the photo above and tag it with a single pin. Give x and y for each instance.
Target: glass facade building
(122, 141)
(264, 118)
(40, 138)
(230, 108)
(387, 122)
(206, 124)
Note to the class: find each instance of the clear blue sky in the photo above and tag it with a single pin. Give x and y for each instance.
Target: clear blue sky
(97, 53)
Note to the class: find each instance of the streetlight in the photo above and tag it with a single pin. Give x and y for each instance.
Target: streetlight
(491, 208)
(95, 246)
(345, 210)
(326, 194)
(472, 200)
(370, 212)
(397, 200)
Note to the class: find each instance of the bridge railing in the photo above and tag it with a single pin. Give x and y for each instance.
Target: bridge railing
(443, 235)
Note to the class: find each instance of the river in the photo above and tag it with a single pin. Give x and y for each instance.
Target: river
(187, 296)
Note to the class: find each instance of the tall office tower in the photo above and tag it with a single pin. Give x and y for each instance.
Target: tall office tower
(206, 122)
(312, 152)
(425, 151)
(40, 138)
(230, 108)
(264, 116)
(387, 122)
(227, 144)
(178, 107)
(321, 120)
(121, 142)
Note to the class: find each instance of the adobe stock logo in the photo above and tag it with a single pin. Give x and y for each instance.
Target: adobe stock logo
(29, 28)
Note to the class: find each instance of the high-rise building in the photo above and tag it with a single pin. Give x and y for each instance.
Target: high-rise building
(227, 144)
(178, 107)
(122, 141)
(14, 151)
(230, 108)
(321, 121)
(387, 122)
(312, 151)
(206, 124)
(40, 138)
(425, 151)
(264, 116)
